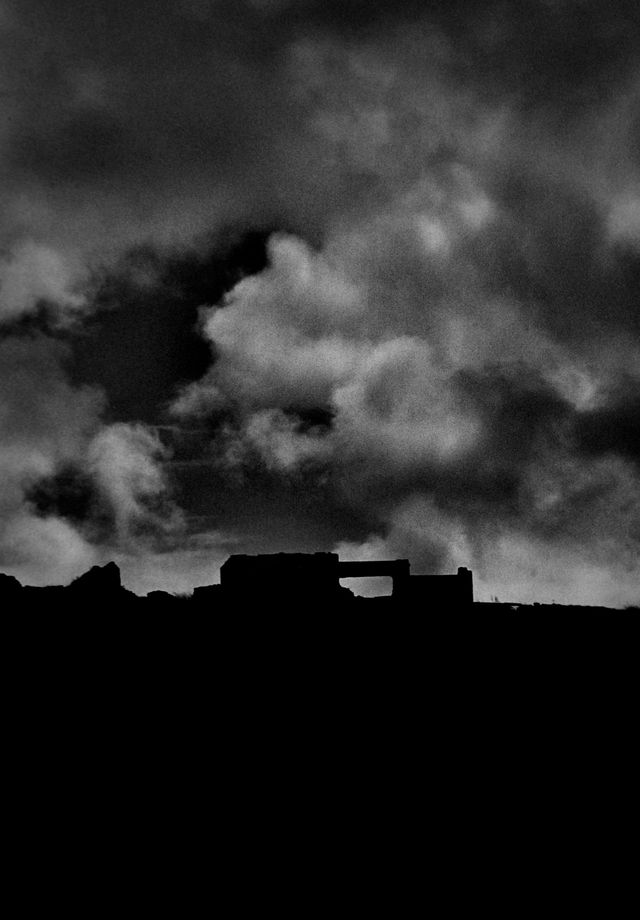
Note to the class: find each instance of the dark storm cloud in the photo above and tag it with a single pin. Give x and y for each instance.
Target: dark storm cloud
(559, 55)
(90, 148)
(552, 252)
(148, 101)
(555, 55)
(614, 427)
(177, 116)
(520, 417)
(163, 116)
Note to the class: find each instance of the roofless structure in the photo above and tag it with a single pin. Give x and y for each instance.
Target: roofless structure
(318, 575)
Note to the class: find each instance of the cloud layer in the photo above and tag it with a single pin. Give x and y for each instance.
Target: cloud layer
(420, 336)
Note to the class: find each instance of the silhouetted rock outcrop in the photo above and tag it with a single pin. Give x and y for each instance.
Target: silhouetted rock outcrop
(162, 600)
(98, 580)
(9, 586)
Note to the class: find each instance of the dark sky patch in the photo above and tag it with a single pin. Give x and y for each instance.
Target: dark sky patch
(88, 149)
(70, 494)
(614, 428)
(518, 409)
(142, 341)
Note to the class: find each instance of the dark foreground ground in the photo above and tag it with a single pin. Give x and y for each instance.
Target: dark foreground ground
(95, 634)
(283, 751)
(97, 628)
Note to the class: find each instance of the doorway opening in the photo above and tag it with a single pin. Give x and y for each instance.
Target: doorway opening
(371, 586)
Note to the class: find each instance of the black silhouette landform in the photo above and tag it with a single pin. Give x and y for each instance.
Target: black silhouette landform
(291, 582)
(280, 663)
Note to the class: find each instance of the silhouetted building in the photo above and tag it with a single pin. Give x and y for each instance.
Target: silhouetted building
(439, 590)
(316, 576)
(281, 575)
(399, 570)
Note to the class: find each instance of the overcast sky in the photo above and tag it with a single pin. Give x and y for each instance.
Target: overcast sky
(314, 275)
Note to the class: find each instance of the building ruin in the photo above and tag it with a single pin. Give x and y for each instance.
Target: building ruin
(317, 575)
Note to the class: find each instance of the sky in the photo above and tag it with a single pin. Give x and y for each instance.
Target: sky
(305, 275)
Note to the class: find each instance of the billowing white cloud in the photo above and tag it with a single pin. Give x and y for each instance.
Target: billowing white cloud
(126, 461)
(47, 425)
(281, 338)
(44, 422)
(44, 551)
(399, 408)
(325, 329)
